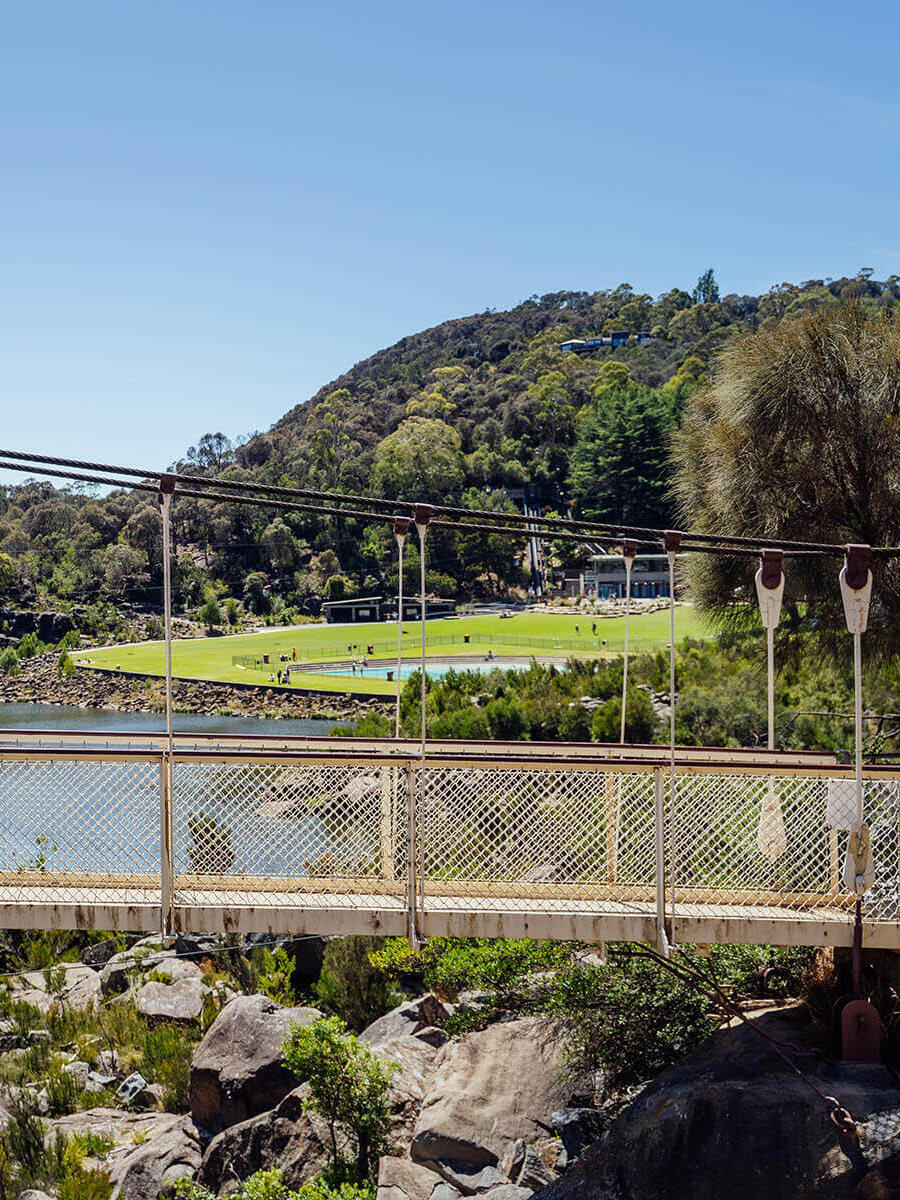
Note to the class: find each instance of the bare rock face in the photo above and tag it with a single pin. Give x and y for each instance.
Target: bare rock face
(490, 1091)
(181, 1001)
(151, 1150)
(287, 1137)
(80, 990)
(401, 1179)
(731, 1119)
(237, 1071)
(408, 1018)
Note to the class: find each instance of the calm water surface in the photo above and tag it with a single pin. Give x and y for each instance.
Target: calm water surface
(104, 817)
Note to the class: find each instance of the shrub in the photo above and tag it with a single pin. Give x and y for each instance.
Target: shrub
(348, 1085)
(167, 1053)
(267, 1185)
(9, 662)
(350, 986)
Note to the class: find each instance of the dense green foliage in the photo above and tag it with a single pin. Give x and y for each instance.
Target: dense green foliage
(349, 986)
(458, 413)
(267, 1185)
(629, 1016)
(799, 437)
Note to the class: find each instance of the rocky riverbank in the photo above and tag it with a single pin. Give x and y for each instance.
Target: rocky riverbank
(39, 683)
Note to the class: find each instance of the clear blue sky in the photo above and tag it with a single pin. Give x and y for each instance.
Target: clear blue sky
(209, 209)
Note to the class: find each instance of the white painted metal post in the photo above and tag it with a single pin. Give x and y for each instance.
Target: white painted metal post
(769, 591)
(166, 490)
(401, 526)
(662, 941)
(856, 593)
(672, 542)
(629, 549)
(422, 518)
(771, 838)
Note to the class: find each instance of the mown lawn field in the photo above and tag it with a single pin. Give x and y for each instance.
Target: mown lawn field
(525, 635)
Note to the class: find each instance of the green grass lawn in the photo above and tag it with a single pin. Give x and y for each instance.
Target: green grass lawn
(542, 635)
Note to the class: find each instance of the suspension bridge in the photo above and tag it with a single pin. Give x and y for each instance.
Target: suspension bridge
(318, 835)
(423, 838)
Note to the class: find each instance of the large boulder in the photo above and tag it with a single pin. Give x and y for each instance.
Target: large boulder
(237, 1070)
(401, 1179)
(414, 1060)
(80, 989)
(491, 1091)
(150, 1150)
(408, 1018)
(287, 1137)
(732, 1119)
(181, 1002)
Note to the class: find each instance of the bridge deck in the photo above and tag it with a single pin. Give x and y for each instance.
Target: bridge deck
(219, 911)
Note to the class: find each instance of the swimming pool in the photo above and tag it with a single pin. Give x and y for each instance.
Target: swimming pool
(436, 668)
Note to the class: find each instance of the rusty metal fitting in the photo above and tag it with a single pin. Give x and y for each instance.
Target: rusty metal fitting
(771, 568)
(859, 558)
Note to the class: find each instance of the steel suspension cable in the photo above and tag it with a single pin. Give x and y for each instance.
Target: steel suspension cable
(554, 526)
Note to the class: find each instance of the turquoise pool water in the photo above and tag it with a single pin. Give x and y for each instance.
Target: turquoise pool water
(436, 669)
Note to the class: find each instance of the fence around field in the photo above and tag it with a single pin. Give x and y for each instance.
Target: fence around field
(268, 661)
(294, 835)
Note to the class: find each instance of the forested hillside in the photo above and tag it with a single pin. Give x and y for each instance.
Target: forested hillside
(466, 412)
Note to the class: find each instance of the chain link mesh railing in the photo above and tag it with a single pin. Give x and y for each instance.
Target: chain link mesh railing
(278, 827)
(325, 830)
(79, 827)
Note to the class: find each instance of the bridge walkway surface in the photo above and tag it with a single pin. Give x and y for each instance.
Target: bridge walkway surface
(347, 835)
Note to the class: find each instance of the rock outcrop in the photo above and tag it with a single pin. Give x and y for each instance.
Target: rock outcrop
(182, 1002)
(150, 1150)
(80, 989)
(287, 1137)
(237, 1071)
(731, 1119)
(490, 1091)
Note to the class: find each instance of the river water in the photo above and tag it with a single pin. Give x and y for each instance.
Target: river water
(101, 720)
(104, 816)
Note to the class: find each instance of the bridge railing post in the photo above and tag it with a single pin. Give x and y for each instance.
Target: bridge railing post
(659, 828)
(166, 866)
(412, 847)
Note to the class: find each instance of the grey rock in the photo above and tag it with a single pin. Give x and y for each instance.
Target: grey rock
(99, 954)
(577, 1128)
(508, 1191)
(80, 1072)
(407, 1018)
(444, 1191)
(96, 1082)
(470, 1179)
(182, 1002)
(80, 990)
(298, 1142)
(196, 943)
(432, 1035)
(167, 1149)
(237, 1070)
(32, 1194)
(731, 1119)
(401, 1179)
(489, 1090)
(409, 1085)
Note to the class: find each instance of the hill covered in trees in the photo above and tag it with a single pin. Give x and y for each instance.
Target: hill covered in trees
(470, 411)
